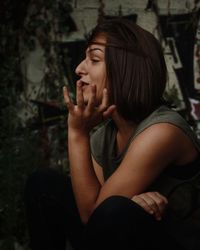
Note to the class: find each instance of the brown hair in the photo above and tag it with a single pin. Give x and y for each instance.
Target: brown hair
(136, 68)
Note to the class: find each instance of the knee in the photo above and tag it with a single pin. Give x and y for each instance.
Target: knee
(116, 220)
(118, 212)
(115, 212)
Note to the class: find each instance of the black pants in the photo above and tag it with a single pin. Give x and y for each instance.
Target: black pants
(118, 223)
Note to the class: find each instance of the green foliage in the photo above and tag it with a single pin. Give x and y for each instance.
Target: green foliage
(18, 158)
(23, 148)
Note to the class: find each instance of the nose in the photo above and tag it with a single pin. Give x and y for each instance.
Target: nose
(81, 68)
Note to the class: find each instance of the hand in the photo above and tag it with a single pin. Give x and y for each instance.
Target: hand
(83, 117)
(152, 202)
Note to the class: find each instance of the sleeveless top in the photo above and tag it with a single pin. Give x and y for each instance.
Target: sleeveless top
(180, 184)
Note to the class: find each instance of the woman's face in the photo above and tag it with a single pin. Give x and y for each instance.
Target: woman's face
(92, 70)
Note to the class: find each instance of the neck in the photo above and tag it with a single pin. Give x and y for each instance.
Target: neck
(123, 126)
(124, 130)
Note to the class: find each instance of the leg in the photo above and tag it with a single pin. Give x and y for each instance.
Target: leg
(119, 223)
(51, 211)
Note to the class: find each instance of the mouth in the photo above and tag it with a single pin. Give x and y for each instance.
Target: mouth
(83, 82)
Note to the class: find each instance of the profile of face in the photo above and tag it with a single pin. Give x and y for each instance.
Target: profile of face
(92, 70)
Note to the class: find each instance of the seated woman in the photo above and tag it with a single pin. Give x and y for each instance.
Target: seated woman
(141, 146)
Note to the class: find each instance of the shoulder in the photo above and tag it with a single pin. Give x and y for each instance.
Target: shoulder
(158, 133)
(169, 123)
(166, 141)
(165, 114)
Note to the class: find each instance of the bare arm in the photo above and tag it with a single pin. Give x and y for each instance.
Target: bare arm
(153, 203)
(98, 171)
(152, 151)
(86, 185)
(148, 155)
(81, 119)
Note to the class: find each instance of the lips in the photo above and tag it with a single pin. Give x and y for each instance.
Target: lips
(84, 83)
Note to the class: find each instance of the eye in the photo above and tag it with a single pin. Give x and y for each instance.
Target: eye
(94, 60)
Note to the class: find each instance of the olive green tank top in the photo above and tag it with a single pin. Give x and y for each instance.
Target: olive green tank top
(182, 217)
(103, 140)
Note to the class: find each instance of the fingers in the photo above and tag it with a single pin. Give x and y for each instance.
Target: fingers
(67, 99)
(152, 202)
(141, 202)
(104, 108)
(89, 110)
(160, 201)
(92, 99)
(104, 104)
(79, 95)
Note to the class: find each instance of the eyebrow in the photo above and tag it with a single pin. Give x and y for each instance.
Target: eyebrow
(93, 49)
(131, 49)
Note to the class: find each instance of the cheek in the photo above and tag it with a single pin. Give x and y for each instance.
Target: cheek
(100, 89)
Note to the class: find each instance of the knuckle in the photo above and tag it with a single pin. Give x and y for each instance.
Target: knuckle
(141, 195)
(103, 107)
(149, 193)
(134, 198)
(137, 199)
(87, 113)
(161, 202)
(151, 203)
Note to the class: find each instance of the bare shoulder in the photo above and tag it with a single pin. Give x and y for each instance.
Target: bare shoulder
(166, 139)
(164, 130)
(153, 150)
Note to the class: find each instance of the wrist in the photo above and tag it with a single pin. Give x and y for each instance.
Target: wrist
(77, 133)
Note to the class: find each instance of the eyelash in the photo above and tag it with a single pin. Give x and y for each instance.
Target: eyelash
(94, 60)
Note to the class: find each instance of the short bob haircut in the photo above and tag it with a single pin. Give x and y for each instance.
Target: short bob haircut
(135, 65)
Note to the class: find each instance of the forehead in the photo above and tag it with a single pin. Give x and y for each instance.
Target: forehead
(98, 42)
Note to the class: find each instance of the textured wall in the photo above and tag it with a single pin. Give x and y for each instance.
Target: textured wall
(85, 14)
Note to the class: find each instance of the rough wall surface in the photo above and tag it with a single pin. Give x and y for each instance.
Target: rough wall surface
(85, 15)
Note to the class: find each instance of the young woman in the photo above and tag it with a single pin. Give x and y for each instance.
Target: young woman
(116, 170)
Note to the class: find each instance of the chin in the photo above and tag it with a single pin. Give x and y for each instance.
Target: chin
(86, 100)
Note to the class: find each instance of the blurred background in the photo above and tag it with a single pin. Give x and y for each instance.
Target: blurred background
(41, 43)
